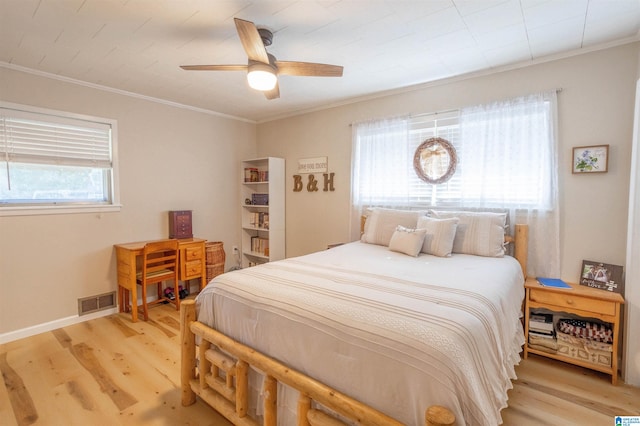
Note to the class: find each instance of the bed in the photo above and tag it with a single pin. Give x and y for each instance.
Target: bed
(360, 333)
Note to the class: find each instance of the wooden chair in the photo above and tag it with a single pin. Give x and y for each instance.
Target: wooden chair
(159, 263)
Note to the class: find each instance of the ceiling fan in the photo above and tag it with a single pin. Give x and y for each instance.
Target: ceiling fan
(263, 68)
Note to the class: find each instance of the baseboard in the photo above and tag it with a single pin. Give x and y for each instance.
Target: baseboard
(53, 325)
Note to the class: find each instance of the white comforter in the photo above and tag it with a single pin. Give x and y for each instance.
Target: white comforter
(395, 332)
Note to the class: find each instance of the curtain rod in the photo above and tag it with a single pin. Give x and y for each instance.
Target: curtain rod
(557, 89)
(434, 113)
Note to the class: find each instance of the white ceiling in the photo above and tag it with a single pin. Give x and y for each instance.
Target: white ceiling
(137, 45)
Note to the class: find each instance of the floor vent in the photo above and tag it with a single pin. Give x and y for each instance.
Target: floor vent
(91, 304)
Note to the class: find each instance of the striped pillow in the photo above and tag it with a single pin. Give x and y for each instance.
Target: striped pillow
(440, 235)
(478, 233)
(382, 223)
(407, 241)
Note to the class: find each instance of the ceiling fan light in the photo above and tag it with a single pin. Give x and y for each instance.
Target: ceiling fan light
(261, 77)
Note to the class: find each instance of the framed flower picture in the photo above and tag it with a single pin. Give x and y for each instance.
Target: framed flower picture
(590, 159)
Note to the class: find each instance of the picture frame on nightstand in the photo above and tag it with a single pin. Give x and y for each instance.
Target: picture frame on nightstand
(602, 276)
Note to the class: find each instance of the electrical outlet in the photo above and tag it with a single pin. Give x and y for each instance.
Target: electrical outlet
(235, 249)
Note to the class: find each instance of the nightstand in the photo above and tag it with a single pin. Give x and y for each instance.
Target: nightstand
(580, 300)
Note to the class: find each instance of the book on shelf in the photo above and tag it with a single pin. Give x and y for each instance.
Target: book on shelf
(541, 331)
(539, 317)
(553, 282)
(259, 220)
(542, 335)
(260, 245)
(541, 323)
(251, 174)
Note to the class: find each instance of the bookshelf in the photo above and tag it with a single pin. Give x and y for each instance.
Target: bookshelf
(262, 197)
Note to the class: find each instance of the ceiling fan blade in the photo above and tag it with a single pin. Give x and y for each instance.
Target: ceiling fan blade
(251, 41)
(273, 93)
(308, 69)
(214, 67)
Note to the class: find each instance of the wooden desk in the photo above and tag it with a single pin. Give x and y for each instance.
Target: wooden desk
(583, 301)
(191, 260)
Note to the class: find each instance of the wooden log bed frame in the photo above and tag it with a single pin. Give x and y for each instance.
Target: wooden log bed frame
(221, 377)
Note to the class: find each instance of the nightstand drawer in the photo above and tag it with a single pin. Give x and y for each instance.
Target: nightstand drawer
(573, 302)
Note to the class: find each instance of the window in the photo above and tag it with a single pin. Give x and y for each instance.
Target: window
(509, 152)
(506, 153)
(383, 161)
(507, 159)
(55, 162)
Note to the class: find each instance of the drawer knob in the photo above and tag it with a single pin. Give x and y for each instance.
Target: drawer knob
(569, 302)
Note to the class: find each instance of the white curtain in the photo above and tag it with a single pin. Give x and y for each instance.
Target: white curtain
(508, 159)
(379, 165)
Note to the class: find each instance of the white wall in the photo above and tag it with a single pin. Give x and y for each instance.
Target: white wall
(632, 307)
(595, 107)
(170, 159)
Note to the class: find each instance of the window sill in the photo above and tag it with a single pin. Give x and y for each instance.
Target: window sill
(71, 209)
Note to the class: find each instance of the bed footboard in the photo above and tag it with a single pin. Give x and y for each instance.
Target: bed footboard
(221, 380)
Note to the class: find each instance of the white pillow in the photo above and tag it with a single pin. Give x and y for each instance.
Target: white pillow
(478, 233)
(440, 235)
(407, 241)
(382, 223)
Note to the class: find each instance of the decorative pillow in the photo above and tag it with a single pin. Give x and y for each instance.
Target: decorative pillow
(382, 223)
(407, 241)
(438, 240)
(478, 233)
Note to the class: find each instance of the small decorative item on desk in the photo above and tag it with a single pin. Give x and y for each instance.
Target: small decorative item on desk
(180, 224)
(602, 276)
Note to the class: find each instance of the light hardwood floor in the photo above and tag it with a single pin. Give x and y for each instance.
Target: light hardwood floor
(110, 371)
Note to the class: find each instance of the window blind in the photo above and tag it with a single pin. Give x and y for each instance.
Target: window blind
(27, 137)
